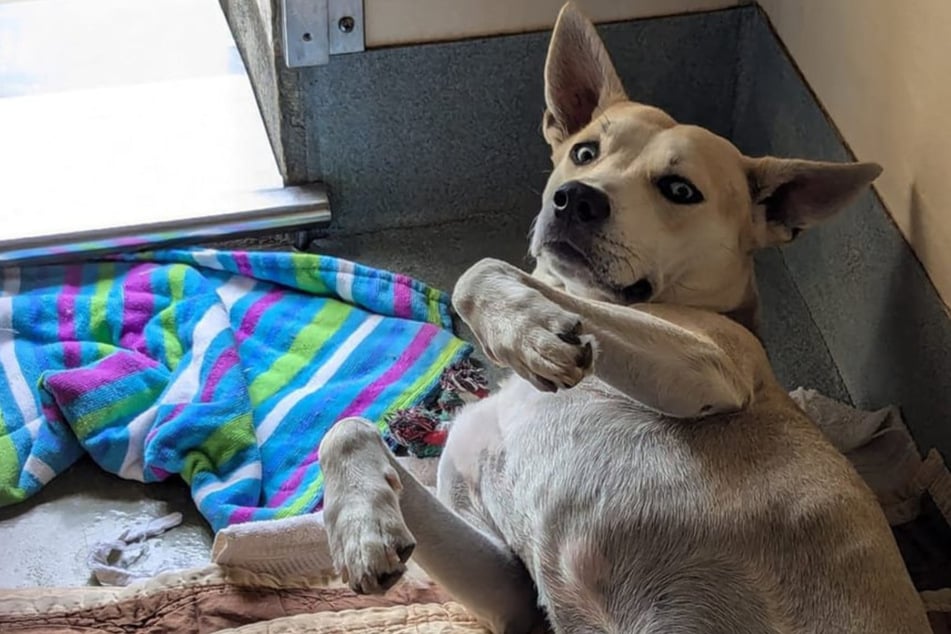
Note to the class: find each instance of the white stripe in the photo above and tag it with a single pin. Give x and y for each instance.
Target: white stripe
(187, 383)
(234, 289)
(207, 258)
(185, 386)
(33, 426)
(39, 469)
(247, 472)
(133, 465)
(22, 392)
(316, 381)
(11, 280)
(345, 281)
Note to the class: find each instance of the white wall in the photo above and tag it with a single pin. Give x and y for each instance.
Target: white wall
(403, 21)
(882, 69)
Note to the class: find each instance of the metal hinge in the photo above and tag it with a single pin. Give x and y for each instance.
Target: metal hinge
(316, 29)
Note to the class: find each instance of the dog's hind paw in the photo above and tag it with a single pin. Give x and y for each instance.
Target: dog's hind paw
(368, 537)
(371, 550)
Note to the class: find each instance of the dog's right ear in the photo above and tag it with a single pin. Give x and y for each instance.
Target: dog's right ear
(792, 195)
(580, 79)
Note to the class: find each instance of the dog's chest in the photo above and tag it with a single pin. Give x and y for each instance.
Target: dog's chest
(585, 460)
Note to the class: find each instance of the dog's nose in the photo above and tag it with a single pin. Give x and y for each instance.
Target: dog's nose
(576, 201)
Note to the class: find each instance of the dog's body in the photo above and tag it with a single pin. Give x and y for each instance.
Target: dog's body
(643, 472)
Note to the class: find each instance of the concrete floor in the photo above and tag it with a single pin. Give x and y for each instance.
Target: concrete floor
(47, 539)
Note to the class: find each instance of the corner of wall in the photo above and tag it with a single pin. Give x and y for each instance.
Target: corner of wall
(747, 16)
(877, 312)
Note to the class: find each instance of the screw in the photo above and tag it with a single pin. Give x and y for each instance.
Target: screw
(346, 24)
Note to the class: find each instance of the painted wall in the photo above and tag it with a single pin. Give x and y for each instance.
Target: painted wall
(410, 135)
(881, 69)
(409, 21)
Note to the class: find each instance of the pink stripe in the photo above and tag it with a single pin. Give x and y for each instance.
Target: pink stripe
(415, 350)
(365, 398)
(403, 297)
(159, 473)
(179, 407)
(70, 386)
(244, 263)
(225, 362)
(290, 487)
(66, 307)
(249, 322)
(242, 515)
(52, 413)
(138, 307)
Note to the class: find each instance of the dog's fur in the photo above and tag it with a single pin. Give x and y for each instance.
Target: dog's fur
(643, 471)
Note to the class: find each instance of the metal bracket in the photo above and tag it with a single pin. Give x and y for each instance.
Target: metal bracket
(316, 29)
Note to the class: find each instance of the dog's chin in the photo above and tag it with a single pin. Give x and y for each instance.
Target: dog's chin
(576, 269)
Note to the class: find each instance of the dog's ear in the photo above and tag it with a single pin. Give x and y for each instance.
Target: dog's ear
(580, 79)
(794, 195)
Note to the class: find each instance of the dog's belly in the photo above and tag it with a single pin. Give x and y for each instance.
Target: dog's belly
(652, 521)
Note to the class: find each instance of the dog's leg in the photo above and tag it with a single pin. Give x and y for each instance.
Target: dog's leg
(377, 514)
(679, 362)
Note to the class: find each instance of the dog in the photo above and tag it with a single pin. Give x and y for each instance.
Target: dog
(642, 470)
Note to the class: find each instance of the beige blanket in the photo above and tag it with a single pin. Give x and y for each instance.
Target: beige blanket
(216, 599)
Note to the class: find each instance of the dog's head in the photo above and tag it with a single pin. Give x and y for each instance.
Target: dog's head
(640, 208)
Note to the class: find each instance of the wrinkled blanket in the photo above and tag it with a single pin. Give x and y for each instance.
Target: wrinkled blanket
(225, 368)
(217, 600)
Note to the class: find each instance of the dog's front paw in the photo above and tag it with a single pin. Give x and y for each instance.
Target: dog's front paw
(519, 327)
(369, 539)
(547, 346)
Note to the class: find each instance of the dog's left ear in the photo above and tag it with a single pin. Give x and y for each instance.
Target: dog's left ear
(793, 195)
(580, 78)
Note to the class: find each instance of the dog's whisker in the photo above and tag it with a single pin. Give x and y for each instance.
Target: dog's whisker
(687, 288)
(729, 249)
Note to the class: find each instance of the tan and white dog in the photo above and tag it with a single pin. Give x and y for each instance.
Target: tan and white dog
(643, 471)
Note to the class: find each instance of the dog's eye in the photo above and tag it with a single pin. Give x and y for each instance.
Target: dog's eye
(584, 153)
(679, 190)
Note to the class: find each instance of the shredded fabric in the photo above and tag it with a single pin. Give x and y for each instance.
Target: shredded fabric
(423, 430)
(110, 561)
(224, 368)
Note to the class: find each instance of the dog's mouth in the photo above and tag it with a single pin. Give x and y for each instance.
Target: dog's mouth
(567, 252)
(571, 258)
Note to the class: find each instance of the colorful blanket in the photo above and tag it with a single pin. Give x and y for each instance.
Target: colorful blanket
(225, 368)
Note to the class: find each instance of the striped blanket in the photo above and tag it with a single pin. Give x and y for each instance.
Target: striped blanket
(224, 368)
